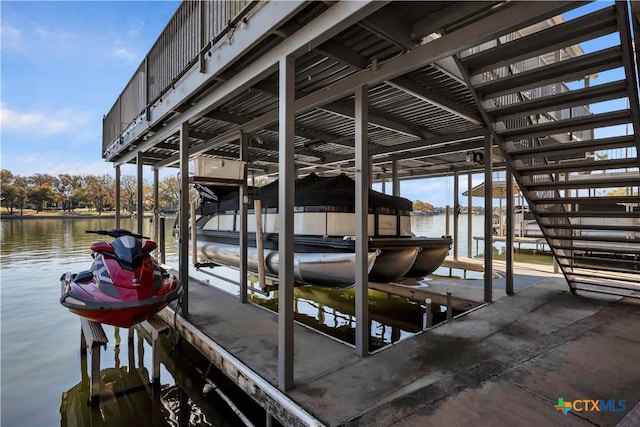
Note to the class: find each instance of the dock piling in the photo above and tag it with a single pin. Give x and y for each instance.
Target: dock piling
(427, 318)
(449, 305)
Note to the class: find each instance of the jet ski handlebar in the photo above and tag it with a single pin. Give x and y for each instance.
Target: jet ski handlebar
(117, 232)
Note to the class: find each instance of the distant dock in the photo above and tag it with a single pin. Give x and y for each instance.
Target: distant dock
(539, 243)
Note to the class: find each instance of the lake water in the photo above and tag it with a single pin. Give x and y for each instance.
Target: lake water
(42, 379)
(41, 365)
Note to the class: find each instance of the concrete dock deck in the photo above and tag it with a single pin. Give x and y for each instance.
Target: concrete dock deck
(506, 363)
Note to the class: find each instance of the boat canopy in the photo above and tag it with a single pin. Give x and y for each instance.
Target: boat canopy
(312, 190)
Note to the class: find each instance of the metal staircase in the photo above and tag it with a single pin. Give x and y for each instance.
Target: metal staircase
(578, 169)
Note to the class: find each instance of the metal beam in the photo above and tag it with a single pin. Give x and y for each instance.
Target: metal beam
(183, 250)
(390, 25)
(488, 212)
(444, 149)
(456, 214)
(118, 207)
(286, 196)
(409, 86)
(393, 124)
(389, 123)
(270, 89)
(362, 228)
(355, 60)
(469, 215)
(139, 193)
(510, 232)
(436, 22)
(394, 178)
(244, 226)
(428, 143)
(156, 203)
(624, 28)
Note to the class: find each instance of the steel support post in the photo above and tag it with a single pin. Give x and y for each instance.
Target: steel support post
(183, 250)
(488, 219)
(118, 207)
(286, 196)
(469, 215)
(244, 200)
(140, 196)
(394, 178)
(362, 217)
(161, 240)
(510, 232)
(156, 203)
(456, 212)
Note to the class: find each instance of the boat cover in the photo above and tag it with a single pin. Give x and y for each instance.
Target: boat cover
(312, 190)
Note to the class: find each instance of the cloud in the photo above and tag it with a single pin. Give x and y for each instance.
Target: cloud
(33, 122)
(32, 37)
(126, 54)
(12, 38)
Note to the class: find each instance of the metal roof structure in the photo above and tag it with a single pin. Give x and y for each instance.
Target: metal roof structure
(441, 78)
(425, 119)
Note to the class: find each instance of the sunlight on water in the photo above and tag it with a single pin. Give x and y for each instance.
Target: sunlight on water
(42, 379)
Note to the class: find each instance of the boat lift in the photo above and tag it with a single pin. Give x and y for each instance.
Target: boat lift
(93, 337)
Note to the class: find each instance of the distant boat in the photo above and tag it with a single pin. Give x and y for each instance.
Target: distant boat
(324, 241)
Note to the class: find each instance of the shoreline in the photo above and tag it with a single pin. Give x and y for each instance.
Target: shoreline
(70, 216)
(45, 216)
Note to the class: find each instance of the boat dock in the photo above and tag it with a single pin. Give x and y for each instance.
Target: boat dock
(538, 243)
(390, 92)
(521, 352)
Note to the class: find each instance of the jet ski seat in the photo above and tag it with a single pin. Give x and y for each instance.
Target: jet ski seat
(83, 276)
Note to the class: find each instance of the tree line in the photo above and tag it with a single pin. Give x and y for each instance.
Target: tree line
(67, 192)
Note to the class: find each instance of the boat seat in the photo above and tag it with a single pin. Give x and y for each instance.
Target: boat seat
(149, 246)
(83, 276)
(102, 247)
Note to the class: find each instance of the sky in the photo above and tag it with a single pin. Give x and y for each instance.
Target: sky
(63, 64)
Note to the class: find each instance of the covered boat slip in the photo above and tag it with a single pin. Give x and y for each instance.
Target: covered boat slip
(391, 91)
(324, 232)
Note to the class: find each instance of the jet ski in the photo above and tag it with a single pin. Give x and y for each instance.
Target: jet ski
(124, 286)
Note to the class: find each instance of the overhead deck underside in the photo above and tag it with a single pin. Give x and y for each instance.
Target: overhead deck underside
(440, 78)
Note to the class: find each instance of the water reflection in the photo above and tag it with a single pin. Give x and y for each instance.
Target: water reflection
(332, 311)
(128, 396)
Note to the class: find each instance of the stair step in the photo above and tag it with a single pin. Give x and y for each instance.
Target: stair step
(601, 181)
(572, 148)
(603, 239)
(589, 214)
(616, 251)
(632, 262)
(602, 291)
(606, 267)
(594, 227)
(567, 125)
(577, 200)
(609, 284)
(614, 278)
(551, 39)
(582, 165)
(571, 69)
(602, 268)
(580, 97)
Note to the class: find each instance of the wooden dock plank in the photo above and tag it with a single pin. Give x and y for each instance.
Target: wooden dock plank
(464, 264)
(420, 294)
